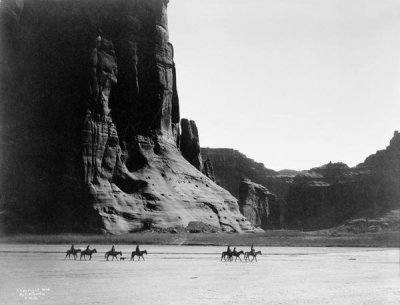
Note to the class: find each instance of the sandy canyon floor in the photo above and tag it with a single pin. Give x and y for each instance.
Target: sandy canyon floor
(39, 274)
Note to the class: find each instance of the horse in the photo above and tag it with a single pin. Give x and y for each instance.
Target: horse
(114, 254)
(139, 254)
(237, 255)
(87, 252)
(253, 254)
(226, 254)
(74, 252)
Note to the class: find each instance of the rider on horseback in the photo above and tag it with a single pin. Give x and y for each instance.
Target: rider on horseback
(252, 251)
(72, 248)
(229, 249)
(87, 248)
(112, 249)
(137, 249)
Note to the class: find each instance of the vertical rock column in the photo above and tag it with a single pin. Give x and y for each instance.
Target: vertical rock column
(190, 143)
(157, 79)
(208, 169)
(100, 139)
(254, 203)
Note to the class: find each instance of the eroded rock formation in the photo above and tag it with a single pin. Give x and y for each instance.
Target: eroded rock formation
(208, 169)
(321, 197)
(190, 143)
(257, 204)
(230, 166)
(96, 127)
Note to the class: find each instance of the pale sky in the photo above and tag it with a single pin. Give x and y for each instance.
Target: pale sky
(290, 83)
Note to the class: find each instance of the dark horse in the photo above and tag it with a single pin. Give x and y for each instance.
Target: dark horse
(237, 255)
(139, 254)
(89, 253)
(73, 252)
(253, 254)
(114, 254)
(226, 255)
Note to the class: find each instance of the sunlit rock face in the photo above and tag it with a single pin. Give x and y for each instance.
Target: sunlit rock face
(258, 205)
(92, 125)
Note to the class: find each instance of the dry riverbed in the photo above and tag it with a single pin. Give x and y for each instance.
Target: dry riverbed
(38, 274)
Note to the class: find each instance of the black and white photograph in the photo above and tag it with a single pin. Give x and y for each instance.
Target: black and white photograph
(175, 152)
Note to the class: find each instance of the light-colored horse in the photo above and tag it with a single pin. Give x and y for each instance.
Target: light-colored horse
(89, 253)
(139, 254)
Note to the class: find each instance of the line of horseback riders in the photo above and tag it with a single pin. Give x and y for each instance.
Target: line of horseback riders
(89, 252)
(228, 255)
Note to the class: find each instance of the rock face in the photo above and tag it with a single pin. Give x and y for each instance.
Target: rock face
(258, 205)
(190, 143)
(208, 169)
(230, 166)
(91, 128)
(321, 197)
(326, 196)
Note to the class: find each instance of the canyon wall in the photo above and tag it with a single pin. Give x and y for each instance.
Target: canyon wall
(258, 205)
(325, 196)
(91, 123)
(230, 166)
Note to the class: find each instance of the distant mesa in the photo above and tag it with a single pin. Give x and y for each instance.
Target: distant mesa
(321, 197)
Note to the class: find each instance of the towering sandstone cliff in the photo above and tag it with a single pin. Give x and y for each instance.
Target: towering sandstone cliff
(91, 123)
